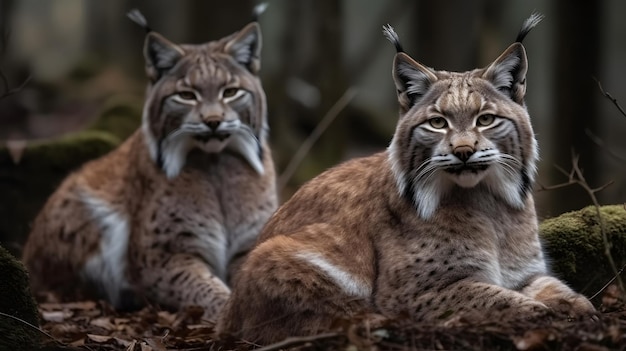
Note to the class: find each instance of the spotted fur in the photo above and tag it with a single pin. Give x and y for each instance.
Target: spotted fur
(167, 216)
(441, 225)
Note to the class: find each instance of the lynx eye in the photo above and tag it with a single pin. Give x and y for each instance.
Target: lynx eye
(485, 120)
(186, 95)
(230, 92)
(438, 122)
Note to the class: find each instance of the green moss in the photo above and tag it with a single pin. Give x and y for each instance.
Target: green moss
(25, 186)
(574, 244)
(120, 118)
(65, 151)
(17, 332)
(86, 69)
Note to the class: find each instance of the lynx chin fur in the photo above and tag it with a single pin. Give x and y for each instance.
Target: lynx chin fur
(440, 225)
(167, 216)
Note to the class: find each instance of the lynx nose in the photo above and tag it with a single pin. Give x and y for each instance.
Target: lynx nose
(463, 152)
(213, 124)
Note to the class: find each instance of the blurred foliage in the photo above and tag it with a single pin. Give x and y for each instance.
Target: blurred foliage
(86, 61)
(120, 119)
(26, 184)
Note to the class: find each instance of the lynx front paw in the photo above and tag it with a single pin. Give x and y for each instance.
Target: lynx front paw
(572, 305)
(528, 310)
(559, 297)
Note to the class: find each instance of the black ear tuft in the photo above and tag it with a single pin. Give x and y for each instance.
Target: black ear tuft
(245, 47)
(137, 17)
(508, 72)
(528, 25)
(161, 55)
(393, 37)
(258, 10)
(411, 78)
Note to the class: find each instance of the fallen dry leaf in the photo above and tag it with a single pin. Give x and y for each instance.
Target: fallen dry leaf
(95, 326)
(55, 316)
(103, 322)
(156, 344)
(533, 339)
(16, 149)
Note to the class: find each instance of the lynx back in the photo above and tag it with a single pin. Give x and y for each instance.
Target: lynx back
(167, 216)
(440, 225)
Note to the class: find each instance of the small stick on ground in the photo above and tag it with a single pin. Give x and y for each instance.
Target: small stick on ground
(293, 341)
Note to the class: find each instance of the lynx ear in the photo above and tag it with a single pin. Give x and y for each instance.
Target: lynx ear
(508, 72)
(245, 47)
(412, 80)
(161, 55)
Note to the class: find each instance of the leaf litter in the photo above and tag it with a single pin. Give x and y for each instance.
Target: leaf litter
(95, 325)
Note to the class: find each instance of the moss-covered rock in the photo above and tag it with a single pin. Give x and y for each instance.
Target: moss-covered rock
(19, 318)
(26, 185)
(574, 244)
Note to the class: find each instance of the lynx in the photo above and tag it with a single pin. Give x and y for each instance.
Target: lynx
(166, 217)
(440, 225)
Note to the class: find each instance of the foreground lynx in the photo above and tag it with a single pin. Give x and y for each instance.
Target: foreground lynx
(441, 224)
(167, 215)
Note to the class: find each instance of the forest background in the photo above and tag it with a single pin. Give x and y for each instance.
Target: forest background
(67, 60)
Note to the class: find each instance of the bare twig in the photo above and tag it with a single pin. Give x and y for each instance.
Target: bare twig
(8, 92)
(5, 33)
(304, 149)
(575, 176)
(293, 341)
(598, 141)
(610, 97)
(4, 81)
(608, 283)
(29, 325)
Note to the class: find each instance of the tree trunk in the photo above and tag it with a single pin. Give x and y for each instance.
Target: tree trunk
(310, 82)
(448, 35)
(577, 58)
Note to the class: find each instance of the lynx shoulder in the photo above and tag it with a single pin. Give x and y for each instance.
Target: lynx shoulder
(440, 225)
(167, 216)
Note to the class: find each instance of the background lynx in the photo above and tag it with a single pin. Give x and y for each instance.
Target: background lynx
(441, 224)
(166, 216)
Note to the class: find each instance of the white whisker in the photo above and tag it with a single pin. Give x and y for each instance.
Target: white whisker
(510, 164)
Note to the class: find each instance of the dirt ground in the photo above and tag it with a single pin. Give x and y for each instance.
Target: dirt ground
(94, 325)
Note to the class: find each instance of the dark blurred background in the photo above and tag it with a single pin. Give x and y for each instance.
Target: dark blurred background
(78, 58)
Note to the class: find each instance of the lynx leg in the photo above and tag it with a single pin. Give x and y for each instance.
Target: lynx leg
(183, 280)
(287, 287)
(558, 296)
(470, 297)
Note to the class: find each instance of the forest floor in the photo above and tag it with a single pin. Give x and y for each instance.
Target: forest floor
(91, 325)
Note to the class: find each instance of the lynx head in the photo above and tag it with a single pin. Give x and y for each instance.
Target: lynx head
(207, 97)
(463, 130)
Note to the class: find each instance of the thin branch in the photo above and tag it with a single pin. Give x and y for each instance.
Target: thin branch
(598, 141)
(293, 341)
(575, 176)
(602, 187)
(610, 97)
(29, 325)
(555, 186)
(9, 92)
(6, 33)
(5, 82)
(306, 146)
(608, 283)
(6, 90)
